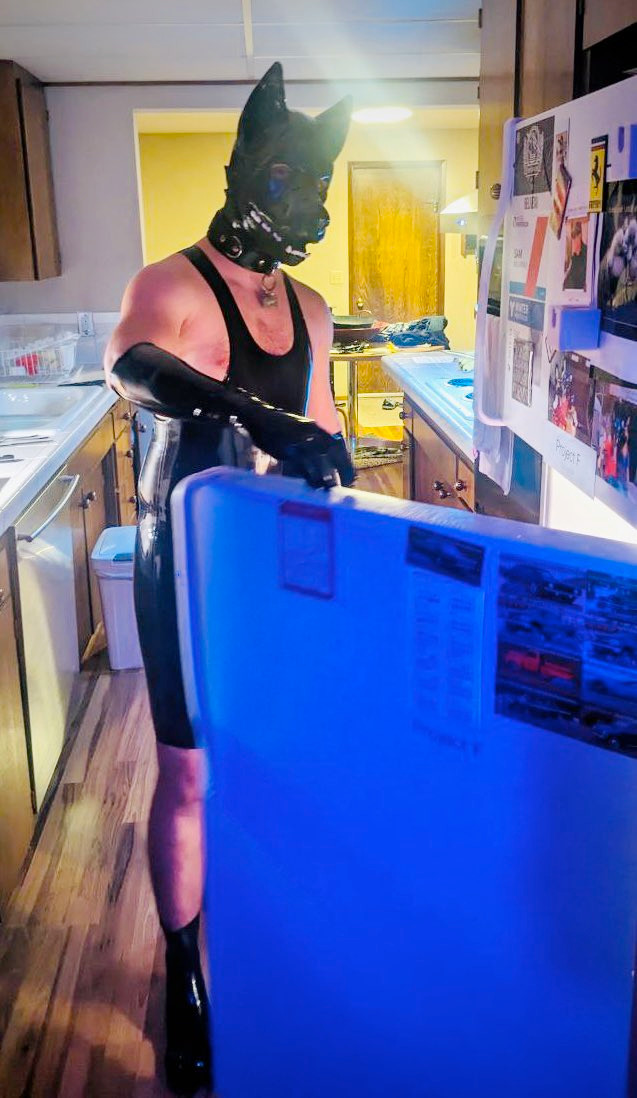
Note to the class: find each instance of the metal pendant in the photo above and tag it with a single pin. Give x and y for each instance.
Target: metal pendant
(268, 291)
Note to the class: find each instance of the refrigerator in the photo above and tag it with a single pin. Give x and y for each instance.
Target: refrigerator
(421, 726)
(556, 373)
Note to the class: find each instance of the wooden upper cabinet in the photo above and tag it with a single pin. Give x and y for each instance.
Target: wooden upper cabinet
(548, 48)
(528, 56)
(27, 207)
(602, 18)
(498, 100)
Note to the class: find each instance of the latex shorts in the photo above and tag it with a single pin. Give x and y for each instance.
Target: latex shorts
(178, 449)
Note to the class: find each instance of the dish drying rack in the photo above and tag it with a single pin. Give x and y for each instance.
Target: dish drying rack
(50, 359)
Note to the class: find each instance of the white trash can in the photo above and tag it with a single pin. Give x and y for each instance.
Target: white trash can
(112, 561)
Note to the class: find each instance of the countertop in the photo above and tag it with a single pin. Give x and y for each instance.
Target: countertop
(21, 482)
(424, 377)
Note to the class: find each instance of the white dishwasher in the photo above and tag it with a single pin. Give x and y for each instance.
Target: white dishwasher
(47, 599)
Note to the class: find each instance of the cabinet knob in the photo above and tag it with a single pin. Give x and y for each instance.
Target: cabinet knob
(443, 493)
(461, 486)
(141, 427)
(360, 304)
(127, 417)
(132, 499)
(88, 499)
(495, 190)
(437, 485)
(129, 454)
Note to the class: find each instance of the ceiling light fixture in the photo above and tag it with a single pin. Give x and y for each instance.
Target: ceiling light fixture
(467, 204)
(382, 114)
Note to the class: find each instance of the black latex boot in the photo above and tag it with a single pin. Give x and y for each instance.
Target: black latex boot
(188, 1058)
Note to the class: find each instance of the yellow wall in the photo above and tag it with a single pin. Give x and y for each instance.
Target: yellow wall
(183, 181)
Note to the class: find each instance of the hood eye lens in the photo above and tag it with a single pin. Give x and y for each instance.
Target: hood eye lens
(280, 176)
(280, 173)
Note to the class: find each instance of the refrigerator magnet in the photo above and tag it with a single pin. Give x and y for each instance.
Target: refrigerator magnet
(597, 174)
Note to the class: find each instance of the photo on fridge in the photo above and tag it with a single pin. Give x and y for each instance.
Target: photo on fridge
(615, 437)
(562, 184)
(522, 370)
(571, 396)
(617, 283)
(576, 253)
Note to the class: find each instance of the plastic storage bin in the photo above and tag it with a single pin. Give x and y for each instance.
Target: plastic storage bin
(112, 561)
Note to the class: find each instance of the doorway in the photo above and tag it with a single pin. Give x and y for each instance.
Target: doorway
(396, 259)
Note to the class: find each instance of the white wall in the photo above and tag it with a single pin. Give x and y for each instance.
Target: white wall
(94, 173)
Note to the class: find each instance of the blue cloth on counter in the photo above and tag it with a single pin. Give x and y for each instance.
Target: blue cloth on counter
(428, 329)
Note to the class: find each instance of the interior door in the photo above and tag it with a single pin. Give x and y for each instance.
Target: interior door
(395, 256)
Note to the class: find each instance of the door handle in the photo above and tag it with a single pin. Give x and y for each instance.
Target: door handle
(72, 485)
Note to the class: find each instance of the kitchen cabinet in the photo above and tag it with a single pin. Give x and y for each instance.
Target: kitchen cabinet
(498, 97)
(547, 56)
(124, 423)
(16, 808)
(28, 227)
(105, 496)
(92, 505)
(434, 472)
(528, 65)
(603, 18)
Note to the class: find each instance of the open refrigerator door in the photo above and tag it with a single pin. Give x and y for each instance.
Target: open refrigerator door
(423, 868)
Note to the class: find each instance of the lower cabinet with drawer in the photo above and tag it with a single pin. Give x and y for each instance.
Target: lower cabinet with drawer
(106, 495)
(435, 472)
(17, 817)
(126, 463)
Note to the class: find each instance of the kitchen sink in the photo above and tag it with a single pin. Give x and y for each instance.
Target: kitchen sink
(45, 408)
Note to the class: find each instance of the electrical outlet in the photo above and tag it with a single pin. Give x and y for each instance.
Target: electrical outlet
(85, 324)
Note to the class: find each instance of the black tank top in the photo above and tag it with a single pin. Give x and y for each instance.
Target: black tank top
(181, 447)
(281, 380)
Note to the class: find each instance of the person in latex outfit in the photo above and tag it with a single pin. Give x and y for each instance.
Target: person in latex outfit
(229, 354)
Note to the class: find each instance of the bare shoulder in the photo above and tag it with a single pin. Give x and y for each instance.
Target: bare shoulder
(315, 310)
(162, 284)
(156, 307)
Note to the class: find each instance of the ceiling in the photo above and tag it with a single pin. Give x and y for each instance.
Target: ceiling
(64, 41)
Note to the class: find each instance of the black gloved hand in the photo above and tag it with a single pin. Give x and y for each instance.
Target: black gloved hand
(166, 385)
(312, 465)
(305, 449)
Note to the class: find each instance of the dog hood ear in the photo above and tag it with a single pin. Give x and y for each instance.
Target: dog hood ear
(265, 106)
(334, 124)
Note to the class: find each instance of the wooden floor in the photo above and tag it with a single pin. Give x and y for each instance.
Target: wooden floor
(387, 480)
(81, 959)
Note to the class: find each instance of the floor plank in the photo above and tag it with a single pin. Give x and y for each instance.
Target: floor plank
(81, 980)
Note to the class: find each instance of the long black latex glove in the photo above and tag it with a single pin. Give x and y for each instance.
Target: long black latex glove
(164, 384)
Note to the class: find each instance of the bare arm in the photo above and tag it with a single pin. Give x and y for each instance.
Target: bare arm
(142, 364)
(321, 406)
(152, 312)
